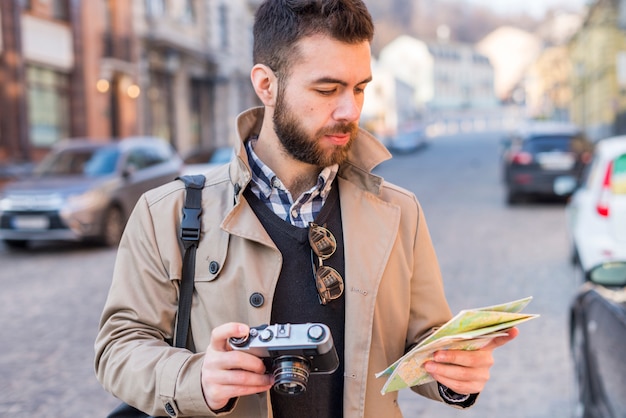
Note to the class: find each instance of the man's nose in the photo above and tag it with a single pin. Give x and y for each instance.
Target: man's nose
(348, 108)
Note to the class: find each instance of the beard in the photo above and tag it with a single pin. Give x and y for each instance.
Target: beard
(302, 146)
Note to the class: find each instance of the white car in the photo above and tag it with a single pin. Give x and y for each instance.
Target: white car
(596, 213)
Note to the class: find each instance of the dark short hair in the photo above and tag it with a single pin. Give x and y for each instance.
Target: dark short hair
(280, 24)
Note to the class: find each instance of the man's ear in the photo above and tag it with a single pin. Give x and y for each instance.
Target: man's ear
(265, 84)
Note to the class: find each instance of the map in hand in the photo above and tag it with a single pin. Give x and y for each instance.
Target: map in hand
(470, 329)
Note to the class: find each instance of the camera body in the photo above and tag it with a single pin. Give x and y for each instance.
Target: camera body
(291, 352)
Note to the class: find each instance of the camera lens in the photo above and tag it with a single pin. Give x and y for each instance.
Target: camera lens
(291, 374)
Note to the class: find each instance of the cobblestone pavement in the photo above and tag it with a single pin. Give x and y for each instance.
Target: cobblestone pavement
(489, 253)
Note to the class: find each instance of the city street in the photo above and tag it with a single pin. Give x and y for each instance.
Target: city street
(489, 253)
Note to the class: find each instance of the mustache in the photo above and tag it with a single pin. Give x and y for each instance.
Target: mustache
(342, 128)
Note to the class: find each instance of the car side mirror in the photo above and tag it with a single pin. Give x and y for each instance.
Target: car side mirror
(128, 171)
(611, 274)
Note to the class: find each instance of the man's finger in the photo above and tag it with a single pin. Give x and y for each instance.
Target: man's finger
(221, 334)
(500, 341)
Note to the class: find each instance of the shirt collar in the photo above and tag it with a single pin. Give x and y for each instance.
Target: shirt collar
(265, 179)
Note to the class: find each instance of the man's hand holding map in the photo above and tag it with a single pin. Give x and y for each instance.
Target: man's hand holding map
(470, 329)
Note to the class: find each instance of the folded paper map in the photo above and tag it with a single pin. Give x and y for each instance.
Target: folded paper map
(470, 329)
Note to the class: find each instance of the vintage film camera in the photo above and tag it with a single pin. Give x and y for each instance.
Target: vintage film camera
(291, 352)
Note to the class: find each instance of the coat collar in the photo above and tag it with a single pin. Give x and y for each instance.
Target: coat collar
(366, 153)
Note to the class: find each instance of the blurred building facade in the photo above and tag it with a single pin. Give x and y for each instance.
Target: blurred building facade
(194, 63)
(547, 88)
(598, 55)
(177, 69)
(510, 51)
(444, 75)
(426, 80)
(389, 105)
(41, 85)
(548, 91)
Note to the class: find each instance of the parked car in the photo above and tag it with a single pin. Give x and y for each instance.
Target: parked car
(200, 161)
(407, 141)
(544, 159)
(597, 340)
(596, 212)
(84, 190)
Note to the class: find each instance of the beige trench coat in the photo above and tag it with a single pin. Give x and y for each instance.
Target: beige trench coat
(394, 292)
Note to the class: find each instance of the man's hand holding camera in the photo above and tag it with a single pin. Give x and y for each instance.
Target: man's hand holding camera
(230, 374)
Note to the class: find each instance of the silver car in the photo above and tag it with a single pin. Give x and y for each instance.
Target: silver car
(84, 190)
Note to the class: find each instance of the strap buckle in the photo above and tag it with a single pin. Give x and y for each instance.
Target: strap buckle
(190, 225)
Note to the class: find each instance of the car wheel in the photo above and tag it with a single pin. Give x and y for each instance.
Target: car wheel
(581, 379)
(15, 244)
(113, 227)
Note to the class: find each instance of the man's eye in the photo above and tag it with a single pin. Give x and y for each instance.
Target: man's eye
(326, 92)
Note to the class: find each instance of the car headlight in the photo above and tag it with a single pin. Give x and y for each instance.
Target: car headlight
(5, 203)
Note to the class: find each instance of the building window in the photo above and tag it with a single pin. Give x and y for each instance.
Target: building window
(48, 105)
(60, 9)
(223, 26)
(189, 12)
(155, 8)
(160, 109)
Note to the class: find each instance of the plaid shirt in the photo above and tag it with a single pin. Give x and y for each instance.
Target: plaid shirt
(270, 190)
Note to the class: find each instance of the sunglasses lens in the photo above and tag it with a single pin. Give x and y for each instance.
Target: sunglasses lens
(329, 283)
(328, 280)
(322, 241)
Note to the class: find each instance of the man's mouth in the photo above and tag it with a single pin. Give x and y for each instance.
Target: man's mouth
(339, 139)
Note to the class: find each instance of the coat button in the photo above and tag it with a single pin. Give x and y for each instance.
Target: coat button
(170, 409)
(257, 300)
(214, 266)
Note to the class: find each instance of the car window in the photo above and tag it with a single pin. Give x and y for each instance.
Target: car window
(143, 157)
(549, 144)
(78, 162)
(103, 162)
(156, 155)
(137, 159)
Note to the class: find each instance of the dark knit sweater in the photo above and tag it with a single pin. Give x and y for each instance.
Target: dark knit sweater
(296, 301)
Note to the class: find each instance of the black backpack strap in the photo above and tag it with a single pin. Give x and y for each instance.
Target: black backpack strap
(190, 228)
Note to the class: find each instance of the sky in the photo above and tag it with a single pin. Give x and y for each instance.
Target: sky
(536, 8)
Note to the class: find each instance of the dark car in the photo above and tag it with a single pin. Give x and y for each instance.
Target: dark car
(598, 338)
(544, 159)
(84, 190)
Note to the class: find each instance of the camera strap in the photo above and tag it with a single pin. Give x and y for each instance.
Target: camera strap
(190, 227)
(189, 234)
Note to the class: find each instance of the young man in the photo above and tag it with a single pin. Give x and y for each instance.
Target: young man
(303, 167)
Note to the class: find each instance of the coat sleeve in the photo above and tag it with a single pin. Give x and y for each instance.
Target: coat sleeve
(134, 360)
(429, 303)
